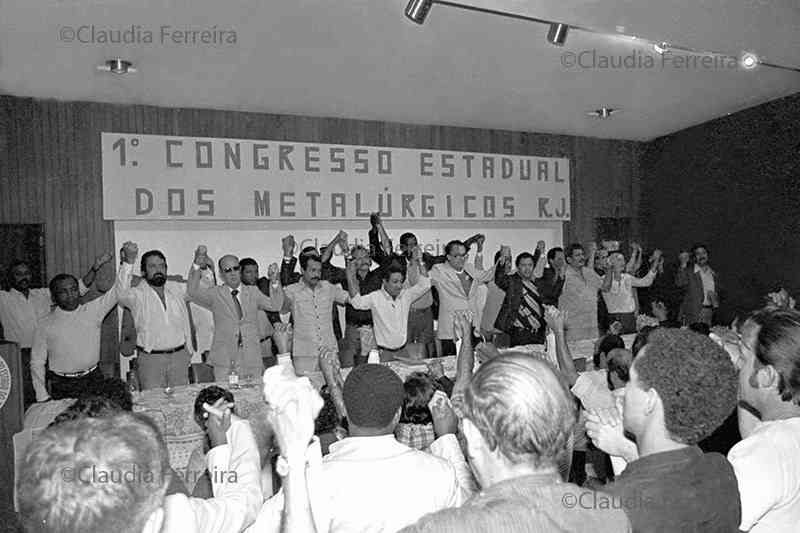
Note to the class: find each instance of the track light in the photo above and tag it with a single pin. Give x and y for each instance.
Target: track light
(417, 10)
(557, 34)
(660, 48)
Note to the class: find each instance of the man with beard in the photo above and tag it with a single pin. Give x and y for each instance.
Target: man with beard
(701, 287)
(163, 330)
(579, 295)
(21, 308)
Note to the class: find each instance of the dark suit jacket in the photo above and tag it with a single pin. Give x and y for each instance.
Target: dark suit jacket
(514, 289)
(550, 287)
(694, 295)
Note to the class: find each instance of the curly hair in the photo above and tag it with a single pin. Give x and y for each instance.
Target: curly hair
(778, 345)
(694, 378)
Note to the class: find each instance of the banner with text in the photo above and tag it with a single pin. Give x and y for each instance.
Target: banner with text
(147, 177)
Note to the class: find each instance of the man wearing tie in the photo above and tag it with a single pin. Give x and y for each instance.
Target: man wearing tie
(235, 307)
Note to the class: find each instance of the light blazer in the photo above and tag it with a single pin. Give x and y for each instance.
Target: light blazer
(452, 297)
(227, 325)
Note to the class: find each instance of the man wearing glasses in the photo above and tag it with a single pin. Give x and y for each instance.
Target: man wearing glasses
(457, 283)
(235, 307)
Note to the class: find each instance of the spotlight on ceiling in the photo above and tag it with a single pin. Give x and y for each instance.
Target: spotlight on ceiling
(603, 112)
(117, 66)
(557, 34)
(660, 48)
(417, 10)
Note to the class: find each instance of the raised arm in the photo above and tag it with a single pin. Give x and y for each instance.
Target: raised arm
(193, 291)
(635, 262)
(90, 276)
(465, 361)
(353, 286)
(273, 302)
(105, 303)
(340, 239)
(608, 280)
(417, 276)
(501, 270)
(555, 320)
(539, 260)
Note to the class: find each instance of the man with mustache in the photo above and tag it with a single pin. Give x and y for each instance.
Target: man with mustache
(21, 309)
(163, 331)
(701, 286)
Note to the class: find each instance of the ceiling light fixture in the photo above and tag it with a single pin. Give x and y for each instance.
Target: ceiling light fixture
(557, 34)
(417, 10)
(660, 48)
(117, 66)
(603, 112)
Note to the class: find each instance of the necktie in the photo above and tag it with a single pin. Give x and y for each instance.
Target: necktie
(234, 292)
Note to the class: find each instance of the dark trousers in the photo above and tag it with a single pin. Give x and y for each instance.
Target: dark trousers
(628, 321)
(28, 392)
(449, 346)
(64, 387)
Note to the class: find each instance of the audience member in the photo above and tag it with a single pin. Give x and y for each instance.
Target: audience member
(109, 474)
(359, 334)
(669, 484)
(517, 419)
(415, 428)
(767, 461)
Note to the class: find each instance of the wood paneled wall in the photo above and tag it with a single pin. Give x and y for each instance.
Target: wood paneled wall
(51, 172)
(50, 166)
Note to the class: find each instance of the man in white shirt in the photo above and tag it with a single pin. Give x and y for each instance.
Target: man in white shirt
(767, 460)
(391, 304)
(369, 482)
(163, 329)
(21, 308)
(68, 339)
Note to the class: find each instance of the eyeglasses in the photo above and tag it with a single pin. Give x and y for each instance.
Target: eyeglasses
(228, 270)
(458, 256)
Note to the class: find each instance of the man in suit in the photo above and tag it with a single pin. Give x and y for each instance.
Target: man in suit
(522, 314)
(551, 283)
(457, 283)
(235, 307)
(700, 285)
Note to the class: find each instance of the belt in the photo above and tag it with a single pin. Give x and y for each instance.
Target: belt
(708, 307)
(75, 374)
(265, 338)
(391, 349)
(161, 352)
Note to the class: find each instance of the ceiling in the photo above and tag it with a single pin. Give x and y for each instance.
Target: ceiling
(363, 59)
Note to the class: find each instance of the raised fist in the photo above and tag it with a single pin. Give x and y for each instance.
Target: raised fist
(540, 246)
(272, 272)
(288, 245)
(102, 260)
(129, 252)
